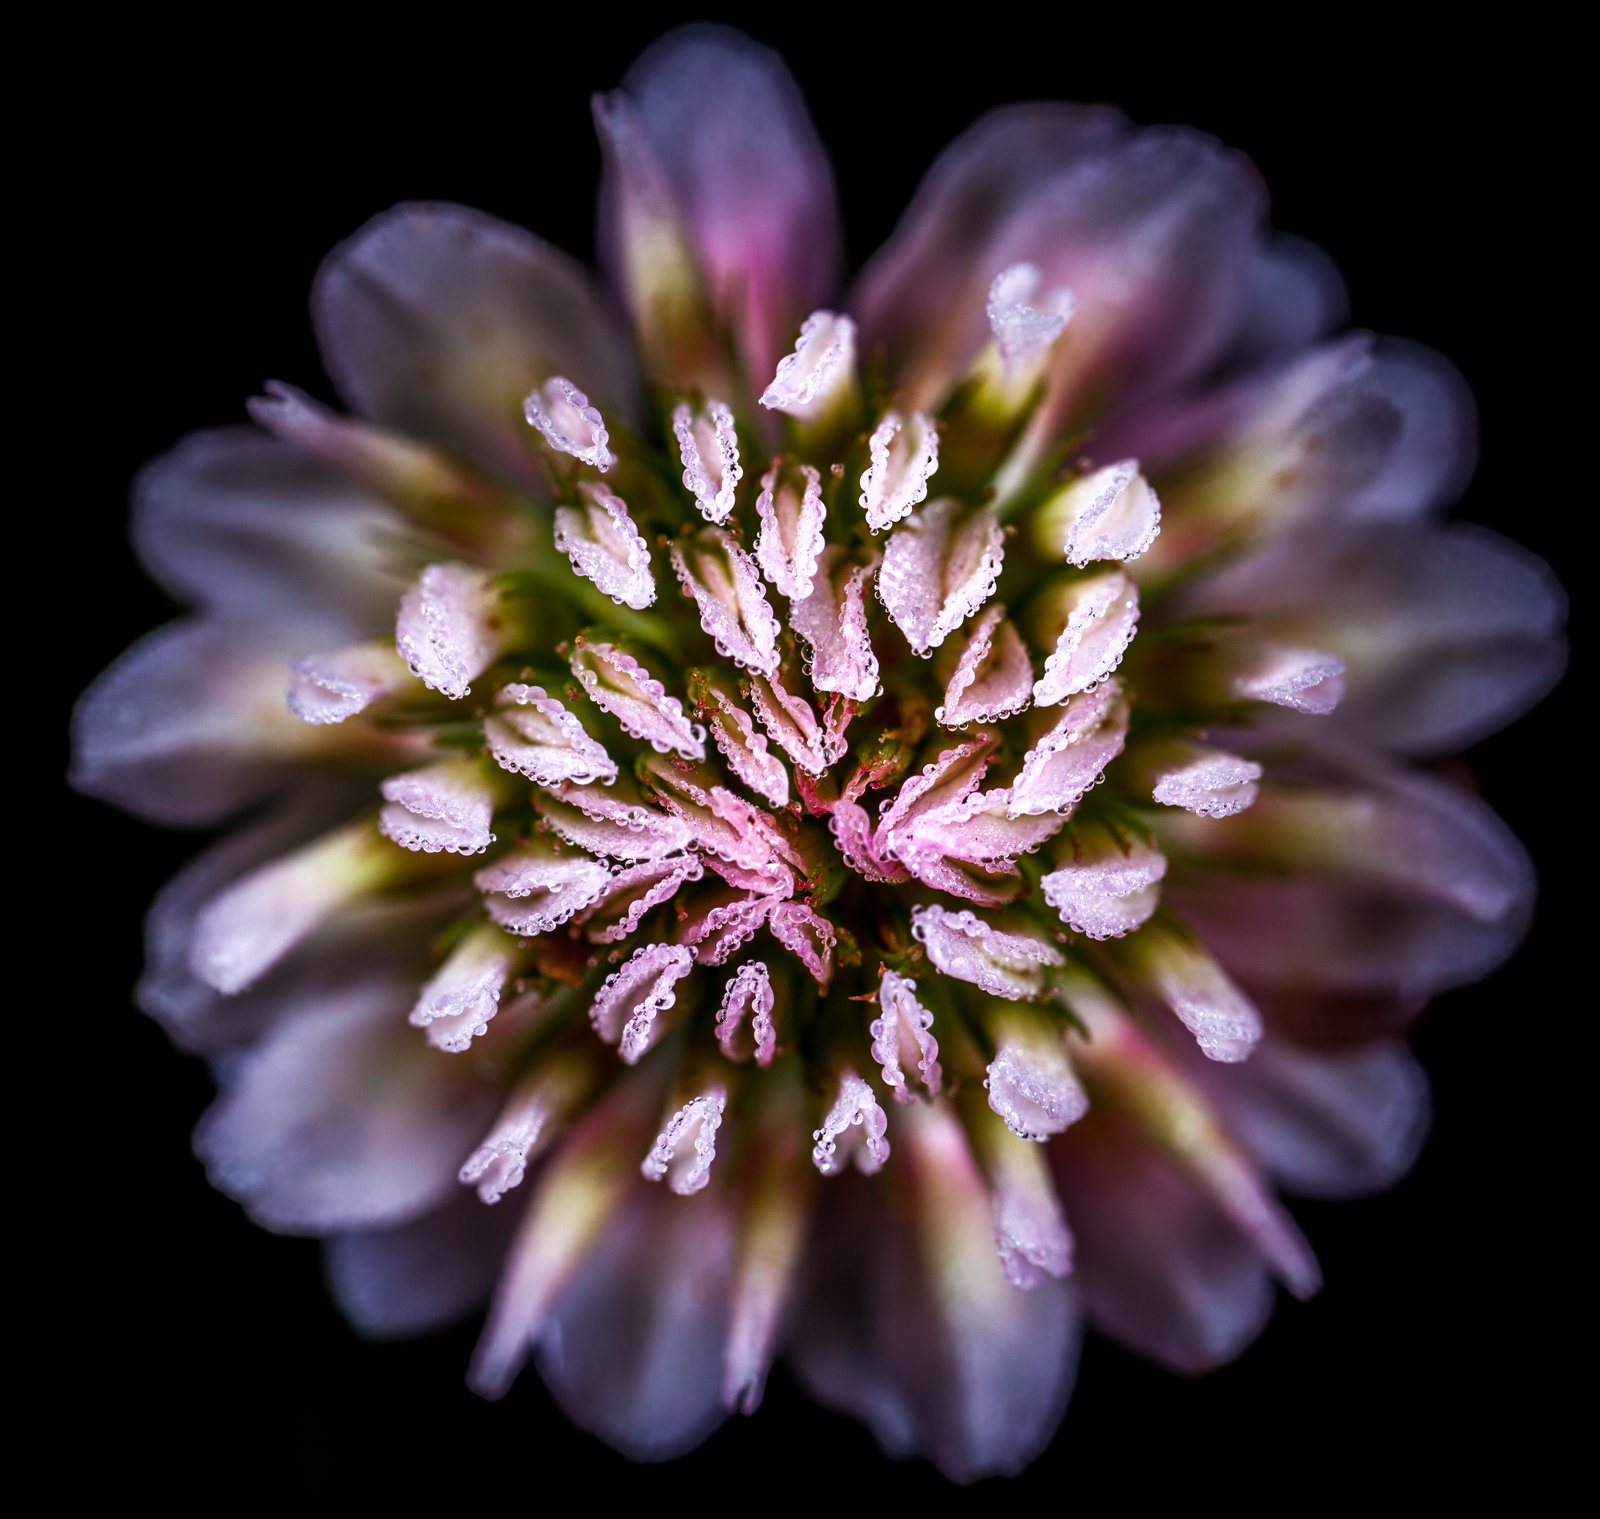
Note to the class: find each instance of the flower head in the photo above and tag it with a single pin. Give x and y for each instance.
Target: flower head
(872, 825)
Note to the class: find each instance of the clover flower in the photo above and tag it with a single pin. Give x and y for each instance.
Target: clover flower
(875, 827)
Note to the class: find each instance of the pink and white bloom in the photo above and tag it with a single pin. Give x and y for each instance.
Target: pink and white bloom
(1038, 836)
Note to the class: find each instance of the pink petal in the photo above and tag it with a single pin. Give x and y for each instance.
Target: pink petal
(719, 924)
(606, 824)
(684, 1150)
(617, 683)
(626, 1006)
(727, 588)
(905, 456)
(1070, 758)
(538, 1107)
(903, 1022)
(745, 749)
(1109, 888)
(708, 445)
(962, 945)
(331, 687)
(792, 721)
(807, 935)
(618, 911)
(450, 628)
(537, 888)
(939, 567)
(1110, 513)
(464, 994)
(1208, 782)
(1031, 1085)
(852, 831)
(1304, 680)
(993, 679)
(810, 381)
(853, 1128)
(447, 806)
(733, 138)
(833, 621)
(749, 990)
(436, 321)
(1176, 968)
(1022, 332)
(1091, 622)
(561, 414)
(533, 734)
(605, 547)
(791, 528)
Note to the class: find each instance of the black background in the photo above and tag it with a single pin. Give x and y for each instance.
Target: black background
(187, 186)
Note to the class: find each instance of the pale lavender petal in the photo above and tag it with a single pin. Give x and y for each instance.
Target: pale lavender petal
(606, 824)
(450, 628)
(1022, 332)
(1109, 887)
(748, 991)
(852, 830)
(458, 1003)
(853, 1128)
(1069, 758)
(791, 528)
(446, 807)
(1110, 513)
(436, 321)
(1031, 1085)
(905, 455)
(335, 686)
(962, 945)
(533, 734)
(726, 587)
(746, 750)
(1211, 783)
(1294, 297)
(732, 135)
(626, 1006)
(1088, 624)
(708, 445)
(1176, 968)
(792, 721)
(939, 567)
(605, 547)
(993, 679)
(631, 893)
(833, 621)
(806, 935)
(561, 414)
(617, 683)
(810, 381)
(684, 1150)
(538, 887)
(342, 1118)
(538, 1107)
(901, 1029)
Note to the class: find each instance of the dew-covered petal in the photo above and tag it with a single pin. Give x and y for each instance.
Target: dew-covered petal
(686, 1147)
(853, 832)
(335, 686)
(451, 628)
(744, 1020)
(342, 1118)
(631, 893)
(617, 683)
(791, 513)
(626, 1007)
(1106, 885)
(722, 920)
(820, 373)
(1068, 758)
(792, 722)
(604, 823)
(423, 1275)
(1109, 513)
(905, 456)
(708, 445)
(963, 945)
(436, 321)
(1211, 783)
(993, 679)
(1087, 624)
(853, 1128)
(807, 935)
(1023, 331)
(902, 1043)
(833, 622)
(531, 733)
(922, 296)
(731, 134)
(726, 587)
(939, 567)
(1176, 967)
(446, 807)
(536, 1109)
(464, 994)
(1030, 1235)
(538, 887)
(561, 414)
(1032, 1087)
(744, 748)
(605, 547)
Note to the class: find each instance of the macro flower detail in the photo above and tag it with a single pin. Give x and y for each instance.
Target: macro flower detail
(927, 782)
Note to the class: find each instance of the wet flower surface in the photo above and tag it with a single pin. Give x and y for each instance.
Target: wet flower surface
(872, 825)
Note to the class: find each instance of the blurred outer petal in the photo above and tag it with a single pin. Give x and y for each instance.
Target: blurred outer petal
(189, 725)
(917, 294)
(425, 1274)
(633, 1348)
(1162, 1270)
(342, 1118)
(1294, 297)
(437, 320)
(731, 132)
(253, 530)
(1446, 633)
(1325, 1123)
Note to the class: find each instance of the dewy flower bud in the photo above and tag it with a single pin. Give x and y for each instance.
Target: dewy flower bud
(605, 547)
(446, 806)
(708, 445)
(726, 586)
(1020, 332)
(244, 932)
(962, 945)
(853, 1127)
(1030, 1083)
(905, 456)
(1029, 1231)
(1104, 885)
(746, 750)
(610, 821)
(563, 417)
(1209, 782)
(818, 380)
(1174, 966)
(833, 621)
(993, 678)
(627, 1007)
(329, 688)
(1088, 623)
(537, 888)
(939, 567)
(1110, 513)
(687, 1144)
(1072, 745)
(531, 733)
(791, 512)
(538, 1108)
(617, 683)
(457, 1004)
(901, 1037)
(748, 996)
(451, 628)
